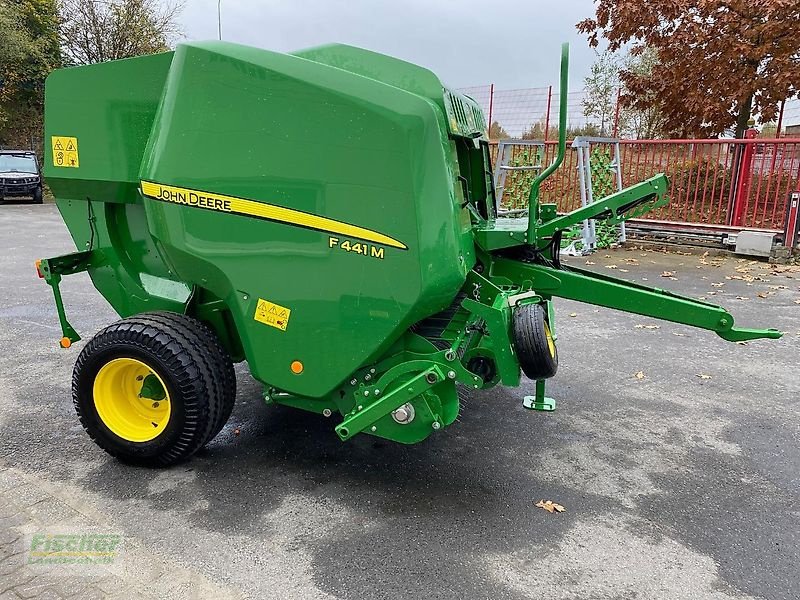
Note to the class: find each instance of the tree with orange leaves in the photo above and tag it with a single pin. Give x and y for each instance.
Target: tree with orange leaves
(720, 62)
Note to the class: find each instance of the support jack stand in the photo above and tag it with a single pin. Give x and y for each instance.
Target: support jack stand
(539, 401)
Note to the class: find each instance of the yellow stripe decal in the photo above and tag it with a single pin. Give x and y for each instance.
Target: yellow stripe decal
(262, 210)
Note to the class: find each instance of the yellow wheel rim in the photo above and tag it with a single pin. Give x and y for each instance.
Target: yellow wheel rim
(131, 400)
(551, 345)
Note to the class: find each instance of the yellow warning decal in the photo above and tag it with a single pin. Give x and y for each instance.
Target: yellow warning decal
(262, 210)
(65, 151)
(272, 314)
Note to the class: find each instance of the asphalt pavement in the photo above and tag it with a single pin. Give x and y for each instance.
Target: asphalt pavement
(676, 455)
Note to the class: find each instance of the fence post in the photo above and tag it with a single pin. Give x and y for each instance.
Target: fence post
(616, 114)
(491, 105)
(780, 119)
(745, 169)
(547, 117)
(792, 220)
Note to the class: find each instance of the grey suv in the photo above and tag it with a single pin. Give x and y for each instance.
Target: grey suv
(20, 175)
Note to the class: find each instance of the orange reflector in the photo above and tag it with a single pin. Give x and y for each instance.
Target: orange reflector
(297, 367)
(65, 342)
(39, 268)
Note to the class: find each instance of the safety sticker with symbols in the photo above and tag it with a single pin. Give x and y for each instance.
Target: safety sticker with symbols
(272, 314)
(65, 151)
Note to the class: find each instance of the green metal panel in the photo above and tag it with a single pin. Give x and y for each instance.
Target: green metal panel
(291, 132)
(109, 108)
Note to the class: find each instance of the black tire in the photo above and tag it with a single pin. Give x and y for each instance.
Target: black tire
(205, 339)
(189, 375)
(533, 342)
(37, 196)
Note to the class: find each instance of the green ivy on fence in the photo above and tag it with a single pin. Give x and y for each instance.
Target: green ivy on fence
(604, 182)
(518, 183)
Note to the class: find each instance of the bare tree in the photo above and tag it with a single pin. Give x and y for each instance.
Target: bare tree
(601, 91)
(95, 31)
(641, 115)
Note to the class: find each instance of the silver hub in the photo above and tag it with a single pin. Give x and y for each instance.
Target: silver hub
(404, 415)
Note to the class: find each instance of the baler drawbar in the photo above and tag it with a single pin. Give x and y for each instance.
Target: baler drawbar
(329, 216)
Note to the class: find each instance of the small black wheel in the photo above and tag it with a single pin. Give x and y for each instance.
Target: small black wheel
(146, 393)
(37, 196)
(533, 342)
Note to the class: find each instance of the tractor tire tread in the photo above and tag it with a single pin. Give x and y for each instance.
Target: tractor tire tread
(531, 343)
(206, 339)
(188, 369)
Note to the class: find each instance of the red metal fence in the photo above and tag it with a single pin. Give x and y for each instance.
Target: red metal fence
(739, 183)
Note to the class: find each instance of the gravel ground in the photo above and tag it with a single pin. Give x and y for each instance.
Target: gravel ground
(681, 483)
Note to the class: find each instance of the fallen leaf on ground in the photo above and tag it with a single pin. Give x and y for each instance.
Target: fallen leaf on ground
(742, 343)
(718, 284)
(611, 266)
(550, 506)
(703, 376)
(763, 294)
(797, 301)
(590, 262)
(573, 314)
(623, 270)
(746, 298)
(678, 334)
(668, 274)
(639, 374)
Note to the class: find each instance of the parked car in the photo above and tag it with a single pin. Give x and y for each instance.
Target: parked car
(20, 175)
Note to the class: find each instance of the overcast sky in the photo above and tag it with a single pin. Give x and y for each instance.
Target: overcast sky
(511, 43)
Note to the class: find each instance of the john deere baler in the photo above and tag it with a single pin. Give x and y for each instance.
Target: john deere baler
(329, 217)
